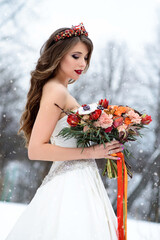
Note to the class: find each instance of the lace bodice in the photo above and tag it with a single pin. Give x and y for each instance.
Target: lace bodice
(60, 167)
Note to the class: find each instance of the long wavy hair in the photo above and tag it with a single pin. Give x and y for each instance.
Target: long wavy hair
(47, 67)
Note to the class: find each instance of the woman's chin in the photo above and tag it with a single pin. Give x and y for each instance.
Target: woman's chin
(75, 78)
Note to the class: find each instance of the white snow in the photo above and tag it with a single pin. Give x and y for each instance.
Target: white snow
(137, 230)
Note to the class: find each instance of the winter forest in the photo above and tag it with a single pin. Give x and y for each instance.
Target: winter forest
(116, 73)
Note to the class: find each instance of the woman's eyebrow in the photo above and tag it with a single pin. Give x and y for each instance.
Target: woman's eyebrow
(79, 52)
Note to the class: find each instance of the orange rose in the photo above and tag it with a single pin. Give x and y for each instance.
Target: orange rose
(120, 110)
(127, 121)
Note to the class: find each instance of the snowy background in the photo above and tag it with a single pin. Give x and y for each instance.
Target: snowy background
(126, 69)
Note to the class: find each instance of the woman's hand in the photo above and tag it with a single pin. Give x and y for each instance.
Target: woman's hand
(99, 151)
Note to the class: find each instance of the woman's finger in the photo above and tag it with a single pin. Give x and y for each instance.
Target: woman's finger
(112, 151)
(113, 158)
(115, 146)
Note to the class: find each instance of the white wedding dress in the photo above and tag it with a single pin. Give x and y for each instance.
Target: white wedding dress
(71, 203)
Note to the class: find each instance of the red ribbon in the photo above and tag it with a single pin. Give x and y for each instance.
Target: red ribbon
(121, 198)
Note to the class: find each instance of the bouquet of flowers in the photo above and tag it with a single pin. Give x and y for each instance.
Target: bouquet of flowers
(99, 123)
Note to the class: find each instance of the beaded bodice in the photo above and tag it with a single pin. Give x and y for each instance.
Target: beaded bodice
(61, 167)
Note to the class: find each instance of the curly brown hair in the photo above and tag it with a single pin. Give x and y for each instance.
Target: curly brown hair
(47, 67)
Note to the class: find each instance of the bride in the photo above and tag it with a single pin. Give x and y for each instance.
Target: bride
(72, 202)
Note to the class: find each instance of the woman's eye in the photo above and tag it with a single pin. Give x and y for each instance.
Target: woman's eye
(74, 56)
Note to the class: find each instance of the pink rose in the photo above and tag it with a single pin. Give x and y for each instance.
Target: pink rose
(135, 118)
(104, 121)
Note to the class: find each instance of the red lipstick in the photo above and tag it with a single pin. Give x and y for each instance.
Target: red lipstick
(78, 71)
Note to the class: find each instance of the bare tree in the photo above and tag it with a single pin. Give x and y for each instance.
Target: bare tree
(150, 175)
(11, 106)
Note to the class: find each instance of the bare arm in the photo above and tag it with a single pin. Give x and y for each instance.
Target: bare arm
(39, 147)
(49, 152)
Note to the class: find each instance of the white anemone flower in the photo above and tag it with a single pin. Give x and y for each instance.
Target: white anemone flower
(93, 107)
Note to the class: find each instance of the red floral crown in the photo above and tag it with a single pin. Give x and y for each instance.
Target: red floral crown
(74, 31)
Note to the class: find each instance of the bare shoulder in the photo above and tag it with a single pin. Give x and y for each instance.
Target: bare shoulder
(54, 88)
(54, 92)
(53, 84)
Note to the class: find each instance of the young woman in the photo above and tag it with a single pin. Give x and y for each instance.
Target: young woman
(71, 203)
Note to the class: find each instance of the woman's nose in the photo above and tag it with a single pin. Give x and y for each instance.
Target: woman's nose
(83, 63)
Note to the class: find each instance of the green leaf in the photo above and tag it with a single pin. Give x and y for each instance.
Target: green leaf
(107, 137)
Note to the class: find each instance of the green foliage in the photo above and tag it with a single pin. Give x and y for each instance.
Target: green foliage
(84, 139)
(95, 135)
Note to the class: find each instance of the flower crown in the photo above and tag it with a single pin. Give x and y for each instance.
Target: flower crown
(74, 31)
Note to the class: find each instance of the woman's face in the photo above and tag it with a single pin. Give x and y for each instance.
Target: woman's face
(74, 62)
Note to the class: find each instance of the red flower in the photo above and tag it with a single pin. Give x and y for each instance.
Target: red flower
(117, 122)
(104, 103)
(73, 120)
(109, 129)
(146, 119)
(95, 115)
